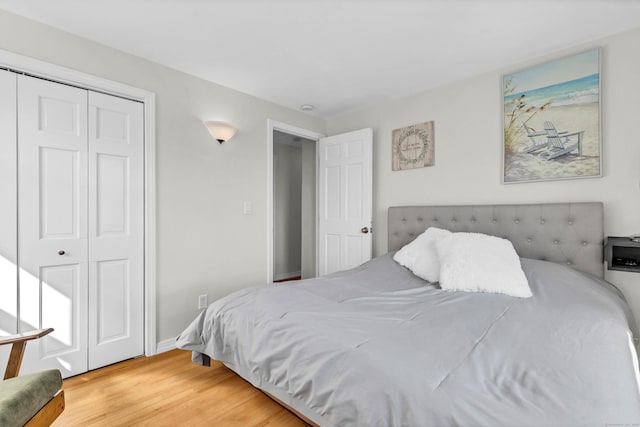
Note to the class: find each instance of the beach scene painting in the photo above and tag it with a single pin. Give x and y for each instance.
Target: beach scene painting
(552, 120)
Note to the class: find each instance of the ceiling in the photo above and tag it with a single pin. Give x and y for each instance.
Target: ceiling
(338, 55)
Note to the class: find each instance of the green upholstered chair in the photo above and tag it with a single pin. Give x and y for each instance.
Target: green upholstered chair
(29, 400)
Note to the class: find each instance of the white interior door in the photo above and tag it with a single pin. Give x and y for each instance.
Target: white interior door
(81, 225)
(344, 200)
(116, 229)
(8, 214)
(52, 211)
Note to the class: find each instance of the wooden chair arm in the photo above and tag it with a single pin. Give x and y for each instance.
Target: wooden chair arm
(19, 342)
(32, 335)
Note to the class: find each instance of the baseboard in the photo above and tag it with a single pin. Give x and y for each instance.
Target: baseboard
(166, 345)
(282, 276)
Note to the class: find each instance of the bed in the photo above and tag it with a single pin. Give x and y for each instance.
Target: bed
(378, 346)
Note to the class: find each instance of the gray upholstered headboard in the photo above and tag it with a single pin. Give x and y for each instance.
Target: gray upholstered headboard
(566, 233)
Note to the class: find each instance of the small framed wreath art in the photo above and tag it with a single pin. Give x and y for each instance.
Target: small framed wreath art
(412, 147)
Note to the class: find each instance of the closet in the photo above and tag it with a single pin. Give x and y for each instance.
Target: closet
(71, 223)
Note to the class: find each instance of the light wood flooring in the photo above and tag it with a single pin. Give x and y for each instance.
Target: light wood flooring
(168, 390)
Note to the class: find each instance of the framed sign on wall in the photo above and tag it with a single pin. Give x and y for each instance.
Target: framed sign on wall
(412, 146)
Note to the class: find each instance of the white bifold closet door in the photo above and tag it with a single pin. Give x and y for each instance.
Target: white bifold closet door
(8, 211)
(116, 229)
(80, 225)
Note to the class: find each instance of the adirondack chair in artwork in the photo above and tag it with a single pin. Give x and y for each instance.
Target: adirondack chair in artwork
(538, 139)
(561, 143)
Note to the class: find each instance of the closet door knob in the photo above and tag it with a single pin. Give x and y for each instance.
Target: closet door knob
(61, 252)
(364, 230)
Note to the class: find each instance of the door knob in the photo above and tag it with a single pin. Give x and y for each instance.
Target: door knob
(61, 252)
(364, 230)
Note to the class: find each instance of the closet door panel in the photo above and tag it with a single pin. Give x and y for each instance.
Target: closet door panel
(8, 214)
(61, 287)
(52, 207)
(59, 191)
(116, 229)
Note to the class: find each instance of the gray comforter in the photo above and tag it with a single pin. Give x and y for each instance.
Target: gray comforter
(376, 346)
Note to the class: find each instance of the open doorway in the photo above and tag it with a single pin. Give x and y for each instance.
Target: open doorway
(292, 199)
(294, 206)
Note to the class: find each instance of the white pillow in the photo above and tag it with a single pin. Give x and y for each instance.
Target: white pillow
(476, 262)
(420, 255)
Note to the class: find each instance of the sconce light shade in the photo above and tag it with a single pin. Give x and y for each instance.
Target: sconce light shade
(220, 131)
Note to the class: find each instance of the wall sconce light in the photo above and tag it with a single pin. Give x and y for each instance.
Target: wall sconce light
(220, 131)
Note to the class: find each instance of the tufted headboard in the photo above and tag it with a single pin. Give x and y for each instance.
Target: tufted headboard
(566, 233)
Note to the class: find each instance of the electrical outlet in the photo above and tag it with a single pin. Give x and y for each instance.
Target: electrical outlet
(202, 302)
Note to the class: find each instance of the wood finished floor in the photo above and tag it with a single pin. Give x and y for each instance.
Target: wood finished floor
(168, 390)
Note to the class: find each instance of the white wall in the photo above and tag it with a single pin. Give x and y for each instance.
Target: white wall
(287, 200)
(468, 138)
(205, 245)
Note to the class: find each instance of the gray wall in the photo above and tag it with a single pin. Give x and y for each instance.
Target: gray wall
(287, 202)
(308, 209)
(307, 254)
(468, 144)
(205, 245)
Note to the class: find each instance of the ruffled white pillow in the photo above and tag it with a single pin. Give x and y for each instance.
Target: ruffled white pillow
(476, 262)
(420, 255)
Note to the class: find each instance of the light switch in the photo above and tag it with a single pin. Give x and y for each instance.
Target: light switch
(247, 208)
